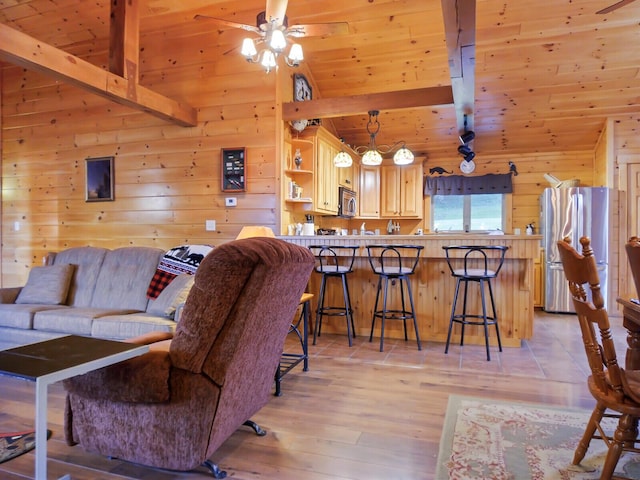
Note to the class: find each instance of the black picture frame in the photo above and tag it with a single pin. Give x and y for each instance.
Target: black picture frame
(99, 184)
(233, 163)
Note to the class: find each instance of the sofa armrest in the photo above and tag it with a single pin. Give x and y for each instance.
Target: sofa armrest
(9, 294)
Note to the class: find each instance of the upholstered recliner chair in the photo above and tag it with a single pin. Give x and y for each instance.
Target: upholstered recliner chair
(175, 405)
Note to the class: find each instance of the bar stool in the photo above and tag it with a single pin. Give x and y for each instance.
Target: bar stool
(394, 262)
(481, 264)
(334, 261)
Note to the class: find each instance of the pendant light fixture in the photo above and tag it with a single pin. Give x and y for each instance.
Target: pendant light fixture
(372, 153)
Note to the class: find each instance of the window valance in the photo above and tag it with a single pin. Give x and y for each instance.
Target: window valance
(461, 185)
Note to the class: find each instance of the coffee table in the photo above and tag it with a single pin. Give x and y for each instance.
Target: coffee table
(58, 359)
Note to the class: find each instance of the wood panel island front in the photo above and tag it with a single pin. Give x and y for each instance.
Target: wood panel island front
(433, 287)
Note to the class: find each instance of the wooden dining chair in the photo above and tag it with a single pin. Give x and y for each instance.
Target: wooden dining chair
(633, 255)
(616, 391)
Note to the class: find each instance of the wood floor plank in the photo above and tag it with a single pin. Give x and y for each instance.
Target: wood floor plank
(357, 414)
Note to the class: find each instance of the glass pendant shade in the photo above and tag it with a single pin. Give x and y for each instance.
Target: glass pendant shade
(343, 160)
(295, 54)
(248, 48)
(268, 60)
(277, 42)
(403, 156)
(371, 157)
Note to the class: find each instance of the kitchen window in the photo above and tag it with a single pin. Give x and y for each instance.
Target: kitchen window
(467, 213)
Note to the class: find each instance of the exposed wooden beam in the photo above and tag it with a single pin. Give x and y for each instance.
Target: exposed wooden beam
(460, 33)
(124, 39)
(358, 104)
(25, 51)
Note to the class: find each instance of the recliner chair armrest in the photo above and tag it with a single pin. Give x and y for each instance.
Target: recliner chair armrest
(143, 379)
(149, 338)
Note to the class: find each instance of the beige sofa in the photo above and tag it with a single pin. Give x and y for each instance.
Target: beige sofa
(91, 291)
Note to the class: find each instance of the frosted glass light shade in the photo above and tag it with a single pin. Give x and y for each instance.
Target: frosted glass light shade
(371, 157)
(295, 54)
(343, 160)
(268, 60)
(403, 156)
(278, 42)
(248, 48)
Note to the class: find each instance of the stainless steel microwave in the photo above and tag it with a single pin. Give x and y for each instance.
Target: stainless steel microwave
(347, 203)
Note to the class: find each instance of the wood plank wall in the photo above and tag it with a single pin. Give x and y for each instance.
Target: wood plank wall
(167, 178)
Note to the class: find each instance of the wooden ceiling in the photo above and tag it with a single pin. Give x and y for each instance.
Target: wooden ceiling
(547, 73)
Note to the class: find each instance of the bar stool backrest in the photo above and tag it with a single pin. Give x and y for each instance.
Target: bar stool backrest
(334, 258)
(394, 259)
(479, 261)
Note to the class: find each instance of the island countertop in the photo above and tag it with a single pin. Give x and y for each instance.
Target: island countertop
(433, 286)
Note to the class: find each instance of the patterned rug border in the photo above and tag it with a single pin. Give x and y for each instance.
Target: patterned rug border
(450, 421)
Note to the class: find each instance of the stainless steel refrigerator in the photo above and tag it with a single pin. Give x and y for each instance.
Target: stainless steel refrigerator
(573, 212)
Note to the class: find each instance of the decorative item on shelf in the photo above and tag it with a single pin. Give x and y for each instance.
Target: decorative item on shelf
(512, 169)
(530, 230)
(438, 170)
(297, 159)
(372, 153)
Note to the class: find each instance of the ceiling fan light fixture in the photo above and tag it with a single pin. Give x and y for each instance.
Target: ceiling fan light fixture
(268, 61)
(403, 156)
(248, 48)
(295, 54)
(343, 160)
(277, 42)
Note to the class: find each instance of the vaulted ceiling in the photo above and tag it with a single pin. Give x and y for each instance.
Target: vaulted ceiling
(545, 74)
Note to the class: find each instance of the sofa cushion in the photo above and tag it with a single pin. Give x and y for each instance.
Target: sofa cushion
(87, 261)
(122, 327)
(75, 321)
(124, 278)
(173, 295)
(21, 316)
(47, 285)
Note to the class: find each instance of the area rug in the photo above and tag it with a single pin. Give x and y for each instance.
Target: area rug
(488, 439)
(16, 443)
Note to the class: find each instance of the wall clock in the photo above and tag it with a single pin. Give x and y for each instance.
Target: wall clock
(301, 88)
(467, 166)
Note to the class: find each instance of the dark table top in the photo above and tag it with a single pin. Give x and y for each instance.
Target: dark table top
(42, 358)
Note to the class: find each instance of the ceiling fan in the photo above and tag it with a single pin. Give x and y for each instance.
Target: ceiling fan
(615, 6)
(273, 30)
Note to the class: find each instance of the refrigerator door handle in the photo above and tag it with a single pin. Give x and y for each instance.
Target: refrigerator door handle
(578, 214)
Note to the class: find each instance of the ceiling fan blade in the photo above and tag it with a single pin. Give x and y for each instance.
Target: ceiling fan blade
(615, 6)
(318, 29)
(228, 23)
(276, 9)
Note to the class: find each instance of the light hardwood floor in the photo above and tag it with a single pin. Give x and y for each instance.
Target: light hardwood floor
(356, 414)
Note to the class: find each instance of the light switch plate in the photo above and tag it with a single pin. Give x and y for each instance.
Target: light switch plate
(209, 225)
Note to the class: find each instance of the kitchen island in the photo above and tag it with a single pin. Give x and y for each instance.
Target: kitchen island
(433, 287)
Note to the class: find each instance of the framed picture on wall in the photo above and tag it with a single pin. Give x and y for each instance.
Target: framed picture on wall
(233, 170)
(99, 180)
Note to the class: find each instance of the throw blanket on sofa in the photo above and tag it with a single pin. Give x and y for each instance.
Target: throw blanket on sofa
(178, 260)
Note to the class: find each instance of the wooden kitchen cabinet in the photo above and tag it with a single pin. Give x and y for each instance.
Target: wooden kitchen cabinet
(369, 193)
(538, 280)
(401, 191)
